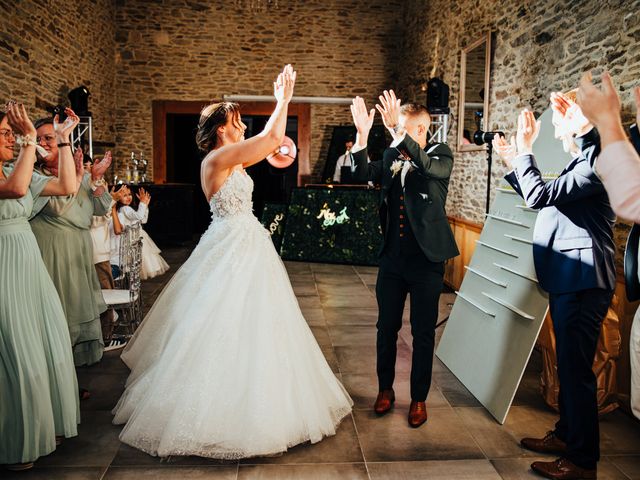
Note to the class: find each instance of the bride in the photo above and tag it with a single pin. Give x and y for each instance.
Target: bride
(224, 364)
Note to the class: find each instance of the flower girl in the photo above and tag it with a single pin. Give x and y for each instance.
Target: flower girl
(152, 263)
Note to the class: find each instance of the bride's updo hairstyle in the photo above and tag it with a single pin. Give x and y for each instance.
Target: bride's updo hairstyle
(211, 118)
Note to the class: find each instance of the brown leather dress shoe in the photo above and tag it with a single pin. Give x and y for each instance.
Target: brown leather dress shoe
(384, 402)
(549, 444)
(563, 469)
(417, 414)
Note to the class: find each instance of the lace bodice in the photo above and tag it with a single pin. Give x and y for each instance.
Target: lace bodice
(233, 198)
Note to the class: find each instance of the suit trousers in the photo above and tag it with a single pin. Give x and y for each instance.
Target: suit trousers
(577, 317)
(398, 276)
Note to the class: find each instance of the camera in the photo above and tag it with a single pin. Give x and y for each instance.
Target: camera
(480, 137)
(59, 110)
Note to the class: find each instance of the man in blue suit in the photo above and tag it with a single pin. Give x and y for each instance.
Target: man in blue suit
(573, 252)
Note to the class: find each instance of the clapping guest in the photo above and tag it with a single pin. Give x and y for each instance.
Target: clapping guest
(38, 386)
(152, 262)
(62, 232)
(573, 253)
(619, 164)
(619, 169)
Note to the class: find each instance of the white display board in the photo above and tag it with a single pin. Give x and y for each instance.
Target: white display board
(500, 307)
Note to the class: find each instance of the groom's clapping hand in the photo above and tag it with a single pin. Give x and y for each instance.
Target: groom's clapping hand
(362, 119)
(389, 109)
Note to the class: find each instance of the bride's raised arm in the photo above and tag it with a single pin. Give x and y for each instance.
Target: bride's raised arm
(256, 148)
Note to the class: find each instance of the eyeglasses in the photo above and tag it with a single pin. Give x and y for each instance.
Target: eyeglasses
(6, 133)
(48, 139)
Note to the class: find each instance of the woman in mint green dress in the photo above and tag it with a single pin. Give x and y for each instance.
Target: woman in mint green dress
(62, 229)
(39, 403)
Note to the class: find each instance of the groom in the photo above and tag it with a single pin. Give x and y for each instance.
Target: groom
(417, 239)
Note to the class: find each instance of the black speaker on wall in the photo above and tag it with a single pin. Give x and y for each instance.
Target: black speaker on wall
(437, 96)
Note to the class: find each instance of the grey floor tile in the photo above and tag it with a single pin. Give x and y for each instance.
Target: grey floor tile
(363, 389)
(390, 438)
(132, 457)
(309, 302)
(363, 359)
(352, 335)
(172, 473)
(519, 469)
(343, 471)
(301, 278)
(95, 446)
(332, 268)
(495, 440)
(337, 279)
(327, 290)
(343, 447)
(619, 434)
(455, 393)
(321, 334)
(105, 389)
(314, 316)
(350, 315)
(366, 269)
(305, 289)
(55, 473)
(110, 363)
(434, 470)
(353, 301)
(297, 267)
(627, 464)
(330, 355)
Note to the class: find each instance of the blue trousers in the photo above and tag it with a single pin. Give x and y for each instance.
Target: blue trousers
(577, 317)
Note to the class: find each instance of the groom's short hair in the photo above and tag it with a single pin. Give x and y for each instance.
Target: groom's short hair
(414, 110)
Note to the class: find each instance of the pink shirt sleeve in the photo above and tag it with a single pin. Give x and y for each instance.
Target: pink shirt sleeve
(619, 169)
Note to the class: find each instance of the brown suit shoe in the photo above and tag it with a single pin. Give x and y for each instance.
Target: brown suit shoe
(563, 469)
(549, 444)
(384, 402)
(417, 414)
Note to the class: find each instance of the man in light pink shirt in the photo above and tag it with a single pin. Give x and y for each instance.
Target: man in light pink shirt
(619, 168)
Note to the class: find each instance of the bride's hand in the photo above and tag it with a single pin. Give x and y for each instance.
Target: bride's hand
(283, 86)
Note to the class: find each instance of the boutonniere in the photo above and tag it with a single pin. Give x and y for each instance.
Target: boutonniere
(396, 167)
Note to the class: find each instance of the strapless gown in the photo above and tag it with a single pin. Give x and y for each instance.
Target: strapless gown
(224, 365)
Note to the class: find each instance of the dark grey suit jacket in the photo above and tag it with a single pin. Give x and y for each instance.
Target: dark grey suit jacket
(426, 187)
(573, 246)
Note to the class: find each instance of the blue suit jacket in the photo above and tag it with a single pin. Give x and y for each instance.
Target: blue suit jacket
(573, 246)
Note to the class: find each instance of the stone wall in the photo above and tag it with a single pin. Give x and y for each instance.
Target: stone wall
(201, 50)
(538, 47)
(50, 47)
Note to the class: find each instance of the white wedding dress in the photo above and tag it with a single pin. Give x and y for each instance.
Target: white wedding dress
(224, 365)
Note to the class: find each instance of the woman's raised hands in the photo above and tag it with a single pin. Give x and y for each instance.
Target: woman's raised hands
(283, 86)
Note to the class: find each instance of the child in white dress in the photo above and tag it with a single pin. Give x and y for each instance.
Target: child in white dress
(152, 262)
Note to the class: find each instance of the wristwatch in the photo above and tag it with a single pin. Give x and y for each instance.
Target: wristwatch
(397, 128)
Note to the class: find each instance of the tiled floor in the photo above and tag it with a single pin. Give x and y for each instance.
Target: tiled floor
(460, 440)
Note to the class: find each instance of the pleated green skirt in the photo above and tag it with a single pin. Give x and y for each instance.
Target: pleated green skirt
(68, 255)
(38, 386)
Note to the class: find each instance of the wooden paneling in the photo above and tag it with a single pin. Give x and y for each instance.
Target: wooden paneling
(466, 233)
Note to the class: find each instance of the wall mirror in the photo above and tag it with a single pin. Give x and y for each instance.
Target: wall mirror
(473, 100)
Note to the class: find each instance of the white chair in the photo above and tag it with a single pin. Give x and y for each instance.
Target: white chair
(127, 298)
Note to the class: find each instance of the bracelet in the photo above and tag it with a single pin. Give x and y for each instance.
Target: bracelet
(25, 141)
(97, 184)
(64, 145)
